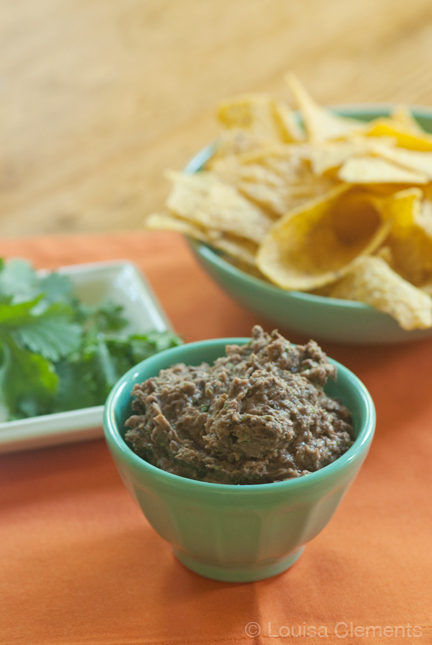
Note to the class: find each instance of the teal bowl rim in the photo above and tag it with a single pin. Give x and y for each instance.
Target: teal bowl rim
(112, 433)
(212, 256)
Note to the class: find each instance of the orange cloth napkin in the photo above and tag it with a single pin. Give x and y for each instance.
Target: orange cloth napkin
(80, 564)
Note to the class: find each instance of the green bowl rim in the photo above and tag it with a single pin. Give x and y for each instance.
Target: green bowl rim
(212, 256)
(112, 433)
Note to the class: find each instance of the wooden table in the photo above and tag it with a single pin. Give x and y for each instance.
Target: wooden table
(98, 97)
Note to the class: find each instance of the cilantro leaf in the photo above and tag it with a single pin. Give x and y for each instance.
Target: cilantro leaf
(145, 345)
(12, 315)
(50, 332)
(109, 316)
(27, 380)
(106, 316)
(79, 384)
(57, 288)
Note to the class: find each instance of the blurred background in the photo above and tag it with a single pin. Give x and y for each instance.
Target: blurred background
(99, 97)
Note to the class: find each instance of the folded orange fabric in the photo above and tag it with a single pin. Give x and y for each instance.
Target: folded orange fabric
(80, 564)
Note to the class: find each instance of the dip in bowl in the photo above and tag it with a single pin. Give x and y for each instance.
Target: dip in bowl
(235, 532)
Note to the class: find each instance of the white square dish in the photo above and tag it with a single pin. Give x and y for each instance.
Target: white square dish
(122, 283)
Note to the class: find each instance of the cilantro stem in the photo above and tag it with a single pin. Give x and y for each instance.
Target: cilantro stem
(105, 362)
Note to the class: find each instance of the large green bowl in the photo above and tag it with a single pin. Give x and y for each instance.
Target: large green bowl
(228, 532)
(318, 317)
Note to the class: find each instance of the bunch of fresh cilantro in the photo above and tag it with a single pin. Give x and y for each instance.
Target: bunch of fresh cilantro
(57, 353)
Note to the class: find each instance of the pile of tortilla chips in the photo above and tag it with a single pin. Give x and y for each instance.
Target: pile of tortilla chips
(335, 206)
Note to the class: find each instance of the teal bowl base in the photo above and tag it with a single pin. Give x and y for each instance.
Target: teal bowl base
(237, 574)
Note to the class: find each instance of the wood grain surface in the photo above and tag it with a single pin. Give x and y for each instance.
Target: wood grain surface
(99, 97)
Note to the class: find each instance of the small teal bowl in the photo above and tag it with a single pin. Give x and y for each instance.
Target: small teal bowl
(228, 532)
(319, 317)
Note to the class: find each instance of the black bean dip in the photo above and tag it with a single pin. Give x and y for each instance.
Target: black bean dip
(257, 415)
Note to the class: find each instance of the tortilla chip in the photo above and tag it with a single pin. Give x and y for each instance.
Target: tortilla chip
(330, 155)
(259, 174)
(279, 180)
(424, 217)
(412, 160)
(410, 239)
(371, 281)
(262, 115)
(166, 222)
(385, 253)
(404, 136)
(385, 190)
(236, 142)
(253, 165)
(427, 289)
(206, 201)
(371, 170)
(285, 199)
(240, 250)
(248, 112)
(288, 123)
(320, 124)
(316, 244)
(402, 115)
(237, 248)
(403, 209)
